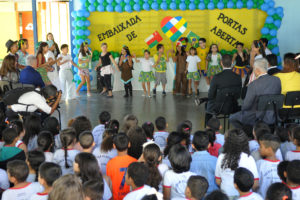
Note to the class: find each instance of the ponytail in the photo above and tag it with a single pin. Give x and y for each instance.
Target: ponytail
(67, 137)
(211, 136)
(65, 147)
(107, 143)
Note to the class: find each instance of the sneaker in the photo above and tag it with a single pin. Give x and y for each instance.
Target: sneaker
(149, 96)
(154, 92)
(89, 94)
(164, 93)
(197, 102)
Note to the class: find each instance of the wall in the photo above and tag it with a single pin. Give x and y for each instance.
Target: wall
(289, 32)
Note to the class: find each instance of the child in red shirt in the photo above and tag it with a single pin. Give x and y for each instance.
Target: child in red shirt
(214, 147)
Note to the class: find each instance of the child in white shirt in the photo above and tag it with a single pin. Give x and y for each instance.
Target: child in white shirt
(48, 173)
(267, 168)
(196, 188)
(45, 144)
(160, 137)
(279, 191)
(136, 177)
(146, 75)
(18, 171)
(4, 182)
(214, 124)
(294, 155)
(193, 64)
(293, 178)
(175, 180)
(66, 73)
(243, 182)
(66, 156)
(104, 118)
(34, 159)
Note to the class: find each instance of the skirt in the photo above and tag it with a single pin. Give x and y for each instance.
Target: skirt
(213, 70)
(193, 75)
(43, 73)
(240, 70)
(146, 76)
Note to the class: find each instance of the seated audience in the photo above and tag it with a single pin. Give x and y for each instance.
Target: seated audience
(196, 188)
(272, 68)
(9, 71)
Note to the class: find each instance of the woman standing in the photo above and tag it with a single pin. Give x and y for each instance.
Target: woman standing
(126, 66)
(180, 78)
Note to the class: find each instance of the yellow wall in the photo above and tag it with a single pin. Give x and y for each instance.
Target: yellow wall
(8, 24)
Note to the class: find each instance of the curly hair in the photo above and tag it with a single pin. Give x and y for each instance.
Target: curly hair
(236, 142)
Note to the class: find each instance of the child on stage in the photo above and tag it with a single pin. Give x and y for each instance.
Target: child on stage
(213, 61)
(241, 60)
(203, 51)
(180, 77)
(146, 75)
(192, 70)
(22, 52)
(84, 61)
(126, 67)
(160, 68)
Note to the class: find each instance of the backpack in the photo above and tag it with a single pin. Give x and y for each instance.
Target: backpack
(11, 97)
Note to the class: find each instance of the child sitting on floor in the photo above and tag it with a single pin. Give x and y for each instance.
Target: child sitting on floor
(160, 137)
(196, 188)
(279, 191)
(98, 131)
(294, 155)
(293, 178)
(86, 141)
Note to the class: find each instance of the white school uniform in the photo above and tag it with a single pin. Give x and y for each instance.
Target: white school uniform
(98, 134)
(160, 138)
(48, 156)
(104, 157)
(32, 143)
(220, 138)
(251, 196)
(253, 146)
(177, 182)
(292, 155)
(146, 64)
(226, 175)
(23, 193)
(66, 78)
(295, 192)
(286, 147)
(31, 178)
(53, 76)
(59, 158)
(256, 155)
(138, 193)
(4, 182)
(193, 61)
(267, 170)
(39, 196)
(162, 168)
(19, 143)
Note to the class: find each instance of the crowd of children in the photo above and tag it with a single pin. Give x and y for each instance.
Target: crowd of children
(154, 161)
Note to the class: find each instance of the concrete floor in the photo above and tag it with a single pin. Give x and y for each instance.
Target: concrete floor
(174, 108)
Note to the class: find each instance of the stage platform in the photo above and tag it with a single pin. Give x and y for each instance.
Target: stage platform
(174, 108)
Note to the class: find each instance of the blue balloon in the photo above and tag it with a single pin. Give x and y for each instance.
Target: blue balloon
(74, 23)
(73, 13)
(82, 1)
(271, 11)
(91, 8)
(264, 30)
(264, 7)
(275, 50)
(86, 14)
(146, 6)
(87, 32)
(201, 6)
(118, 8)
(91, 77)
(128, 8)
(136, 1)
(173, 6)
(269, 20)
(182, 6)
(281, 15)
(76, 59)
(75, 70)
(279, 59)
(271, 4)
(137, 7)
(80, 41)
(273, 32)
(230, 4)
(118, 1)
(279, 10)
(239, 4)
(164, 6)
(80, 13)
(100, 8)
(274, 41)
(92, 1)
(220, 5)
(87, 22)
(211, 6)
(154, 6)
(76, 77)
(192, 6)
(100, 1)
(109, 1)
(79, 23)
(250, 4)
(80, 32)
(75, 51)
(109, 8)
(127, 1)
(74, 42)
(277, 23)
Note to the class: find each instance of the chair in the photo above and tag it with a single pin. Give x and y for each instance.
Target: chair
(4, 87)
(226, 103)
(273, 103)
(291, 99)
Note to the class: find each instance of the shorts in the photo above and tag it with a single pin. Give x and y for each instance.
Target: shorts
(160, 77)
(203, 72)
(84, 72)
(193, 75)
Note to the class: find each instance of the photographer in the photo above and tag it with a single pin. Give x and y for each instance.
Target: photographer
(22, 101)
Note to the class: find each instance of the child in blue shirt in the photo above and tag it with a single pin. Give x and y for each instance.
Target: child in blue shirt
(203, 164)
(160, 137)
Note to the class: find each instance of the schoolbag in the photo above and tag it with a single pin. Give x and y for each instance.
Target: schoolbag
(11, 97)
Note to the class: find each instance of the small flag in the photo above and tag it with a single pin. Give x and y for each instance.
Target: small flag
(192, 37)
(153, 39)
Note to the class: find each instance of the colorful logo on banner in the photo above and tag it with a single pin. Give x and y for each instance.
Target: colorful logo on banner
(153, 39)
(173, 27)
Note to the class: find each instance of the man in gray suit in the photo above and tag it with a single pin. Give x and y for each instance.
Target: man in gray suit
(263, 85)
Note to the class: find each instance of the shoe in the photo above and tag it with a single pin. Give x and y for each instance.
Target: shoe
(110, 96)
(143, 95)
(103, 93)
(197, 102)
(126, 95)
(164, 93)
(149, 96)
(89, 94)
(154, 92)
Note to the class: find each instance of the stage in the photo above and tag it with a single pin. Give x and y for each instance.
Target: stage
(174, 108)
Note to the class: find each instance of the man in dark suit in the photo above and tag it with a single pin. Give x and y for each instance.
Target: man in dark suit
(272, 68)
(225, 79)
(263, 85)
